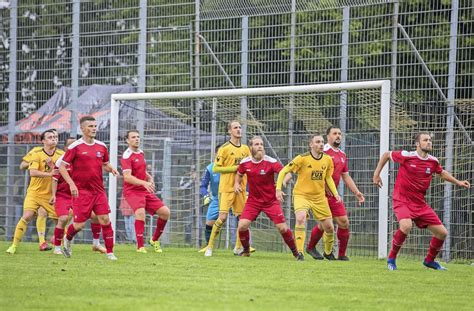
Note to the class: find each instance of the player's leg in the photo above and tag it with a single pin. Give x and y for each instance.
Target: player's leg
(211, 217)
(140, 229)
(100, 206)
(430, 220)
(275, 213)
(316, 235)
(404, 218)
(41, 219)
(62, 207)
(96, 228)
(244, 236)
(163, 213)
(328, 238)
(237, 209)
(20, 229)
(300, 230)
(226, 200)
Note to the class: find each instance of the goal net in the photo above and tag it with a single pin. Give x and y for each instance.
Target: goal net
(180, 130)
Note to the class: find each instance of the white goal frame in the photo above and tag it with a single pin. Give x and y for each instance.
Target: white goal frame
(383, 85)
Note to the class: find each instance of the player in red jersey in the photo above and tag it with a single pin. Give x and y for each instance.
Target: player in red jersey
(88, 157)
(338, 209)
(62, 200)
(260, 170)
(413, 179)
(139, 191)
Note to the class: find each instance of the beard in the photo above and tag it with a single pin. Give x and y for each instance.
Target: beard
(426, 150)
(337, 143)
(257, 153)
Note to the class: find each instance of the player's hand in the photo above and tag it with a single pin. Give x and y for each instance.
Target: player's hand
(49, 162)
(55, 172)
(360, 197)
(52, 200)
(149, 186)
(280, 195)
(338, 198)
(464, 184)
(115, 172)
(74, 190)
(237, 188)
(206, 200)
(377, 181)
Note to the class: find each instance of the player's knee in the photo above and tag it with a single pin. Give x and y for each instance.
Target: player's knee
(282, 228)
(140, 215)
(343, 223)
(442, 233)
(243, 226)
(328, 226)
(406, 225)
(103, 219)
(164, 212)
(42, 213)
(300, 219)
(62, 220)
(223, 216)
(79, 226)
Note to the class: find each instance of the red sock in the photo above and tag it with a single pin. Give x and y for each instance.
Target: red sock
(95, 228)
(139, 229)
(435, 247)
(58, 236)
(108, 235)
(71, 232)
(290, 241)
(316, 235)
(245, 239)
(160, 227)
(343, 239)
(397, 242)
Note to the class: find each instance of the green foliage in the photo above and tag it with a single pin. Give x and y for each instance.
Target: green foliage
(182, 279)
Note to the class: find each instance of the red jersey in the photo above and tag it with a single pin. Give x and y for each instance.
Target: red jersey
(134, 162)
(414, 176)
(87, 161)
(260, 178)
(339, 159)
(62, 186)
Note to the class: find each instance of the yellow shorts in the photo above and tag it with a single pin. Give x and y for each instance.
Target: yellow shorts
(33, 203)
(319, 207)
(232, 200)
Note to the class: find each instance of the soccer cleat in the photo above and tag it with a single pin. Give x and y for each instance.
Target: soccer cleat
(434, 265)
(45, 247)
(202, 250)
(343, 258)
(391, 264)
(11, 250)
(252, 250)
(315, 254)
(300, 257)
(208, 252)
(245, 253)
(99, 248)
(329, 256)
(67, 250)
(238, 251)
(57, 251)
(156, 245)
(111, 256)
(142, 250)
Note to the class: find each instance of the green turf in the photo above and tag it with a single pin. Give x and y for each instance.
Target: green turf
(182, 279)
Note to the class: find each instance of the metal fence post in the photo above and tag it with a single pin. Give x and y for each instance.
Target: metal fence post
(75, 54)
(244, 75)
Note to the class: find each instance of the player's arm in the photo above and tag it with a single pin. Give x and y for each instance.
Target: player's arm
(205, 180)
(224, 169)
(238, 182)
(287, 179)
(281, 176)
(54, 188)
(383, 160)
(24, 165)
(150, 178)
(109, 169)
(130, 179)
(352, 186)
(67, 178)
(40, 174)
(450, 178)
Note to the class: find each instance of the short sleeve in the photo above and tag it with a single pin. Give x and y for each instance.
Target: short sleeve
(438, 168)
(69, 155)
(346, 167)
(399, 156)
(295, 164)
(277, 167)
(34, 162)
(241, 169)
(126, 164)
(28, 156)
(105, 158)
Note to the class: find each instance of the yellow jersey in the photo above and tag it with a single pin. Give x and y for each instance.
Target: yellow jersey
(313, 175)
(30, 153)
(41, 186)
(227, 159)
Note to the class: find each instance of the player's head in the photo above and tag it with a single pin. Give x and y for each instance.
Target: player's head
(49, 138)
(235, 129)
(55, 131)
(68, 142)
(334, 136)
(316, 143)
(133, 139)
(256, 147)
(88, 126)
(424, 142)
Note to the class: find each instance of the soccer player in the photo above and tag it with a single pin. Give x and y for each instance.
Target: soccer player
(88, 157)
(62, 200)
(260, 170)
(212, 179)
(41, 168)
(42, 215)
(338, 210)
(139, 191)
(414, 177)
(314, 170)
(226, 162)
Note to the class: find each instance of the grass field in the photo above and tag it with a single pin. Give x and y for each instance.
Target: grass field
(182, 279)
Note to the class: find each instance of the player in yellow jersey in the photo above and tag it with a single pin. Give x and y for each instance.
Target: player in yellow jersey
(41, 170)
(227, 160)
(314, 170)
(42, 216)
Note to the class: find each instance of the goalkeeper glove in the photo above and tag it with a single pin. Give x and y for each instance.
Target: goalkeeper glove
(207, 200)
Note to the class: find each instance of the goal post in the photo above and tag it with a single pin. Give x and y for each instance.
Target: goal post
(382, 87)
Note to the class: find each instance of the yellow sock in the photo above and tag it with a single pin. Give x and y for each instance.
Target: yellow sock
(300, 236)
(216, 229)
(41, 228)
(328, 239)
(20, 230)
(238, 244)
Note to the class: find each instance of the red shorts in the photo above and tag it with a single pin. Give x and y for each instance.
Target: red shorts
(273, 211)
(337, 208)
(423, 215)
(88, 202)
(148, 201)
(63, 204)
